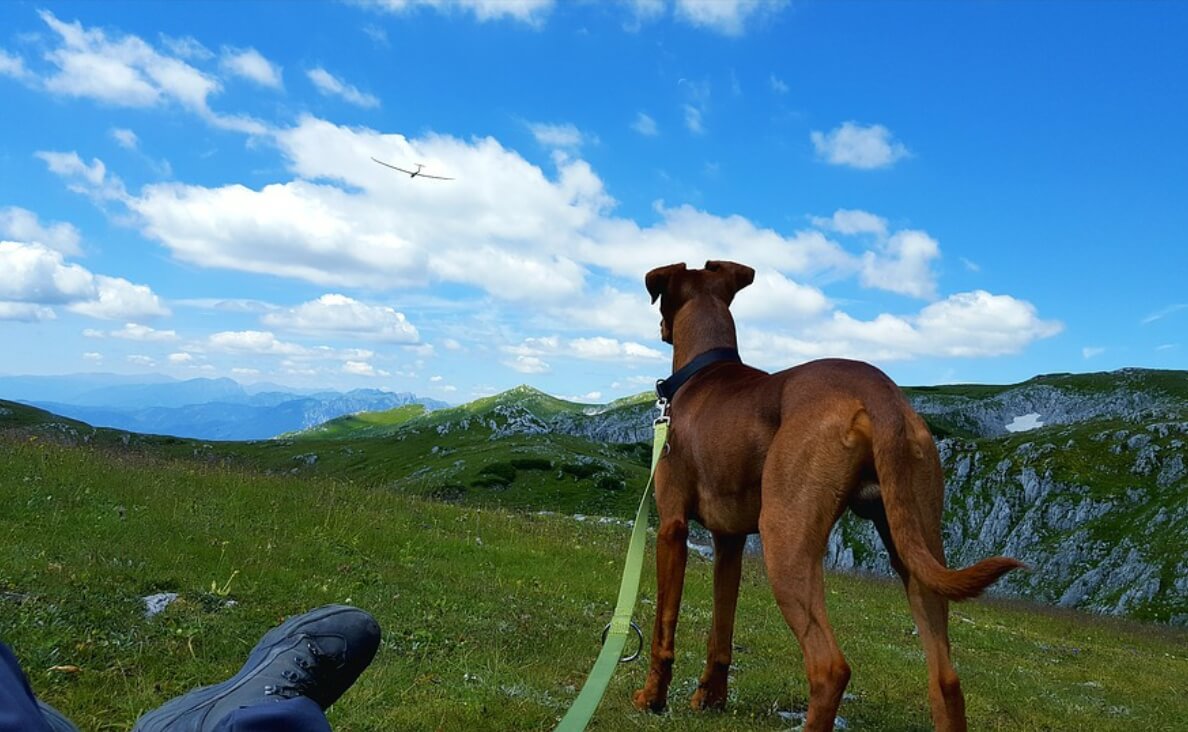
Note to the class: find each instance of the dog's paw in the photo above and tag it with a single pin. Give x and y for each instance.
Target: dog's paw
(706, 698)
(648, 701)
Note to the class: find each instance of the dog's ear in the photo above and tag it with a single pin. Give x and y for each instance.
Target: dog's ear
(657, 280)
(740, 275)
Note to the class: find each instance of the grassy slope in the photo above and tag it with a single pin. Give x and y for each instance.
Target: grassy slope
(489, 617)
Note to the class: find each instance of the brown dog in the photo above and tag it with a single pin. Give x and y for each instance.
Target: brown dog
(785, 454)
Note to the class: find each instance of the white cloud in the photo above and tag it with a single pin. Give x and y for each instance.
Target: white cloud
(20, 224)
(964, 325)
(645, 125)
(334, 314)
(13, 66)
(451, 344)
(330, 85)
(531, 12)
(118, 299)
(728, 17)
(253, 342)
(436, 379)
(244, 371)
(774, 297)
(137, 332)
(903, 264)
(557, 135)
(125, 138)
(528, 365)
(125, 71)
(778, 85)
(362, 368)
(249, 64)
(25, 312)
(853, 221)
(499, 229)
(1092, 351)
(141, 360)
(93, 356)
(180, 357)
(37, 274)
(597, 348)
(858, 146)
(90, 180)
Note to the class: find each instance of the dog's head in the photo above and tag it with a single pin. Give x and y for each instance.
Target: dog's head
(675, 285)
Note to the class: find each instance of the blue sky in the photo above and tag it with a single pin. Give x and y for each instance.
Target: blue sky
(957, 192)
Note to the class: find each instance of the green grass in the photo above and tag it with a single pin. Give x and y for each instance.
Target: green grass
(490, 617)
(363, 423)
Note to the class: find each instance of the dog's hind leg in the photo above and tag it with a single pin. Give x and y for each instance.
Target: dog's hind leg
(931, 613)
(803, 494)
(711, 689)
(671, 555)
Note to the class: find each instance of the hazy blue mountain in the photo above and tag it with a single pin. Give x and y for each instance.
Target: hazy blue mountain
(68, 387)
(208, 409)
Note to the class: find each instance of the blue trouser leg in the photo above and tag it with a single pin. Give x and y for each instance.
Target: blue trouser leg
(18, 706)
(291, 715)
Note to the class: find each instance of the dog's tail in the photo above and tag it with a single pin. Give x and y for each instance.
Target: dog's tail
(912, 484)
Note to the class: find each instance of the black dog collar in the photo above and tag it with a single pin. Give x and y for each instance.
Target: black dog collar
(666, 389)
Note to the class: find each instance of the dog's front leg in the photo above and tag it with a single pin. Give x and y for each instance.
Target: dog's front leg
(671, 553)
(711, 689)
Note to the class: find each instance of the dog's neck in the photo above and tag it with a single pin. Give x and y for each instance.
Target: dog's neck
(702, 324)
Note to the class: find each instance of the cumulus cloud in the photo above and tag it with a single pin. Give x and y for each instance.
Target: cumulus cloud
(330, 85)
(728, 17)
(340, 315)
(903, 264)
(250, 64)
(117, 299)
(180, 357)
(362, 368)
(37, 274)
(19, 224)
(25, 312)
(137, 332)
(598, 348)
(141, 360)
(528, 365)
(126, 71)
(858, 146)
(253, 342)
(964, 325)
(90, 179)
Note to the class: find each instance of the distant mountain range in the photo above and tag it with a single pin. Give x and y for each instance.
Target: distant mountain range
(1082, 476)
(207, 409)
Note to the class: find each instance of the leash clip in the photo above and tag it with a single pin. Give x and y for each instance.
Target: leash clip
(638, 649)
(662, 407)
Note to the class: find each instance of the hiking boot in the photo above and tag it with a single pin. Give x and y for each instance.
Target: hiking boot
(56, 721)
(316, 655)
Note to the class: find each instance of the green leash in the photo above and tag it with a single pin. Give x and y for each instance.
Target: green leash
(587, 701)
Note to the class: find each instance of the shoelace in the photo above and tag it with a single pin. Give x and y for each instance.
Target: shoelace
(307, 675)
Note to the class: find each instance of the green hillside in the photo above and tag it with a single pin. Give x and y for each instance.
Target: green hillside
(490, 617)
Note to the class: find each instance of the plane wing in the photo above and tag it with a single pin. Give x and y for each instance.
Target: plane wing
(393, 167)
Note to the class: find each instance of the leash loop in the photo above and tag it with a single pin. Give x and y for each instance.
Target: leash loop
(638, 636)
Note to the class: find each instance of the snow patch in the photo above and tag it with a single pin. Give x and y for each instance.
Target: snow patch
(1025, 422)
